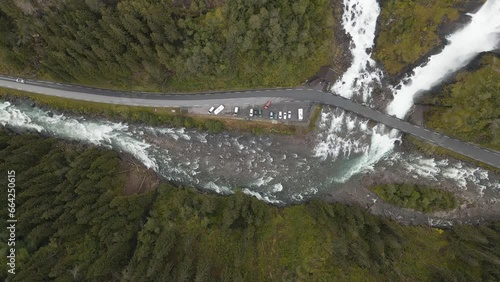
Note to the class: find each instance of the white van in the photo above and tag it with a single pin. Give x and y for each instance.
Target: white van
(301, 114)
(219, 109)
(236, 111)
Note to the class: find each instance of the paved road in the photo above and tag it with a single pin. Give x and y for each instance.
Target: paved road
(250, 97)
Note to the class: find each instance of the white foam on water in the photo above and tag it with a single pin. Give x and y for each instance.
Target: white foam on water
(108, 134)
(364, 125)
(261, 181)
(257, 195)
(10, 115)
(463, 175)
(380, 146)
(220, 189)
(351, 123)
(480, 35)
(359, 20)
(423, 167)
(338, 137)
(277, 187)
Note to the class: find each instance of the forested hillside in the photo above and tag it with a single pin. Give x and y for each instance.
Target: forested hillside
(74, 223)
(469, 108)
(169, 45)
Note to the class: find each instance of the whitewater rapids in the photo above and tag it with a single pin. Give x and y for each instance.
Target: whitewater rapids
(279, 169)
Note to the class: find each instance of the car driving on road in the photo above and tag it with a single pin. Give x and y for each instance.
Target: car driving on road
(20, 80)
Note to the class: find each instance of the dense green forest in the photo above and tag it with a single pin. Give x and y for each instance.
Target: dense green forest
(75, 223)
(469, 108)
(167, 45)
(416, 197)
(409, 29)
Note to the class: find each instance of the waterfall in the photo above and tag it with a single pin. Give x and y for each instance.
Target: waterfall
(359, 22)
(480, 35)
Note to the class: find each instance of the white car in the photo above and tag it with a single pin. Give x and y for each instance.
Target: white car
(284, 115)
(289, 114)
(236, 111)
(280, 115)
(211, 110)
(300, 113)
(251, 112)
(20, 80)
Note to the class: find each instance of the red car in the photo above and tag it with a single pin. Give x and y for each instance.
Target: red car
(267, 105)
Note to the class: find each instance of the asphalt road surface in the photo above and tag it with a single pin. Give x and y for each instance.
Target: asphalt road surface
(250, 97)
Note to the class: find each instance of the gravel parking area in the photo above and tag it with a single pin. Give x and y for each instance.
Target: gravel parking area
(289, 111)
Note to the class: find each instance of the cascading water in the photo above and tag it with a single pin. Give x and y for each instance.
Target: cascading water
(480, 35)
(278, 168)
(359, 21)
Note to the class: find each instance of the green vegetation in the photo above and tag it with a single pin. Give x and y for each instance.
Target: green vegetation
(75, 224)
(174, 117)
(169, 45)
(154, 116)
(469, 109)
(433, 150)
(416, 197)
(72, 219)
(314, 117)
(408, 30)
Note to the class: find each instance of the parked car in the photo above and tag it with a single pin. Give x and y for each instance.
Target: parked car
(251, 112)
(289, 114)
(284, 115)
(271, 115)
(236, 110)
(300, 113)
(266, 106)
(255, 113)
(20, 80)
(280, 115)
(211, 110)
(260, 113)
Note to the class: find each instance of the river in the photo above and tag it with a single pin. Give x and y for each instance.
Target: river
(282, 169)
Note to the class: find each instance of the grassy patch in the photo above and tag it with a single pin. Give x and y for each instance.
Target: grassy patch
(408, 30)
(314, 117)
(421, 198)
